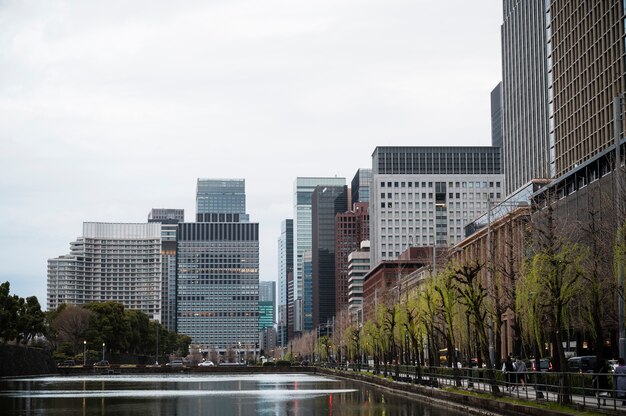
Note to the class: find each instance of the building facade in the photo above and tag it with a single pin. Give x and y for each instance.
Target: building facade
(358, 267)
(327, 202)
(218, 284)
(302, 240)
(360, 185)
(351, 228)
(118, 262)
(169, 219)
(424, 196)
(285, 267)
(528, 141)
(221, 200)
(267, 304)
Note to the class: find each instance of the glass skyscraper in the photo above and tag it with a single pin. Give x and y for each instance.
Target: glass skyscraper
(218, 270)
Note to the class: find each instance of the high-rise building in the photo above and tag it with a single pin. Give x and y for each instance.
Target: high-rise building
(351, 228)
(360, 185)
(218, 269)
(218, 284)
(221, 200)
(496, 116)
(303, 191)
(358, 267)
(169, 219)
(424, 196)
(110, 262)
(588, 71)
(267, 304)
(285, 267)
(527, 142)
(304, 305)
(326, 203)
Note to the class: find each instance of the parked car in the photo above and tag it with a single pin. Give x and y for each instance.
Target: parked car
(544, 365)
(582, 364)
(175, 363)
(206, 363)
(67, 363)
(102, 364)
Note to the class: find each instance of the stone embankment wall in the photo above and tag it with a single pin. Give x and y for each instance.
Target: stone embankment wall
(22, 361)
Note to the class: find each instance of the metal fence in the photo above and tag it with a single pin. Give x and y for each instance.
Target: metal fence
(581, 389)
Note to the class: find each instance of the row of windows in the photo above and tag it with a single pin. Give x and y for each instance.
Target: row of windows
(459, 184)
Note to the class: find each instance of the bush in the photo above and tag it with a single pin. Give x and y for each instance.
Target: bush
(283, 363)
(268, 364)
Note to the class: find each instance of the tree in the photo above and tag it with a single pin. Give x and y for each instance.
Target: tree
(70, 324)
(108, 325)
(474, 295)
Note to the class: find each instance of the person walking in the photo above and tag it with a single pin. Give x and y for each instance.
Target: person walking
(601, 379)
(509, 370)
(620, 380)
(520, 369)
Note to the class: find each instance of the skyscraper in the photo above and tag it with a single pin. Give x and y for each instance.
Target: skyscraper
(587, 58)
(303, 190)
(352, 227)
(221, 200)
(218, 270)
(285, 267)
(110, 262)
(267, 304)
(527, 142)
(169, 219)
(424, 196)
(326, 203)
(360, 185)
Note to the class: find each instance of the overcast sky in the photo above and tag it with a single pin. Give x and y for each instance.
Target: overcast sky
(111, 108)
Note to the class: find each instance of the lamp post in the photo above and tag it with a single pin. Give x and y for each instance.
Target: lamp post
(156, 360)
(84, 353)
(103, 345)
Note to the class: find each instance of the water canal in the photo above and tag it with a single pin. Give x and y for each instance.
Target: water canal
(195, 394)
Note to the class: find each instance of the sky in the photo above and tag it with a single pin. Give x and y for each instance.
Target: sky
(111, 108)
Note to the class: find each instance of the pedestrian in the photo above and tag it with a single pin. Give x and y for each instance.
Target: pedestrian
(620, 380)
(520, 369)
(509, 370)
(601, 379)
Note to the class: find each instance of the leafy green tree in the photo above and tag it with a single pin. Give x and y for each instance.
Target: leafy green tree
(8, 314)
(32, 319)
(109, 325)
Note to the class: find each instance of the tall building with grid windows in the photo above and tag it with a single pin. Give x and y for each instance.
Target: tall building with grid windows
(527, 136)
(117, 262)
(285, 268)
(302, 238)
(169, 219)
(218, 270)
(424, 196)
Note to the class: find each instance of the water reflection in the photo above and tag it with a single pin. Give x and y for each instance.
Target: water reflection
(284, 394)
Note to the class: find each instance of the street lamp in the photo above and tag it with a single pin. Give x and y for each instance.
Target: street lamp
(84, 353)
(103, 344)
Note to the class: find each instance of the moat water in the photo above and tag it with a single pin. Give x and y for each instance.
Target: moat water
(194, 394)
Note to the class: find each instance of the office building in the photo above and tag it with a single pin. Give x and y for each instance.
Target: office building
(218, 270)
(360, 185)
(110, 262)
(326, 203)
(496, 117)
(285, 267)
(424, 196)
(358, 267)
(527, 141)
(218, 284)
(351, 228)
(169, 219)
(267, 304)
(588, 57)
(221, 200)
(303, 191)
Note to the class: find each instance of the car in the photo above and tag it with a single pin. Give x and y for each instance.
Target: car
(67, 363)
(175, 363)
(102, 364)
(206, 363)
(581, 364)
(544, 365)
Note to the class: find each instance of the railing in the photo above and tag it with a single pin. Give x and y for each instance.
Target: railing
(581, 389)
